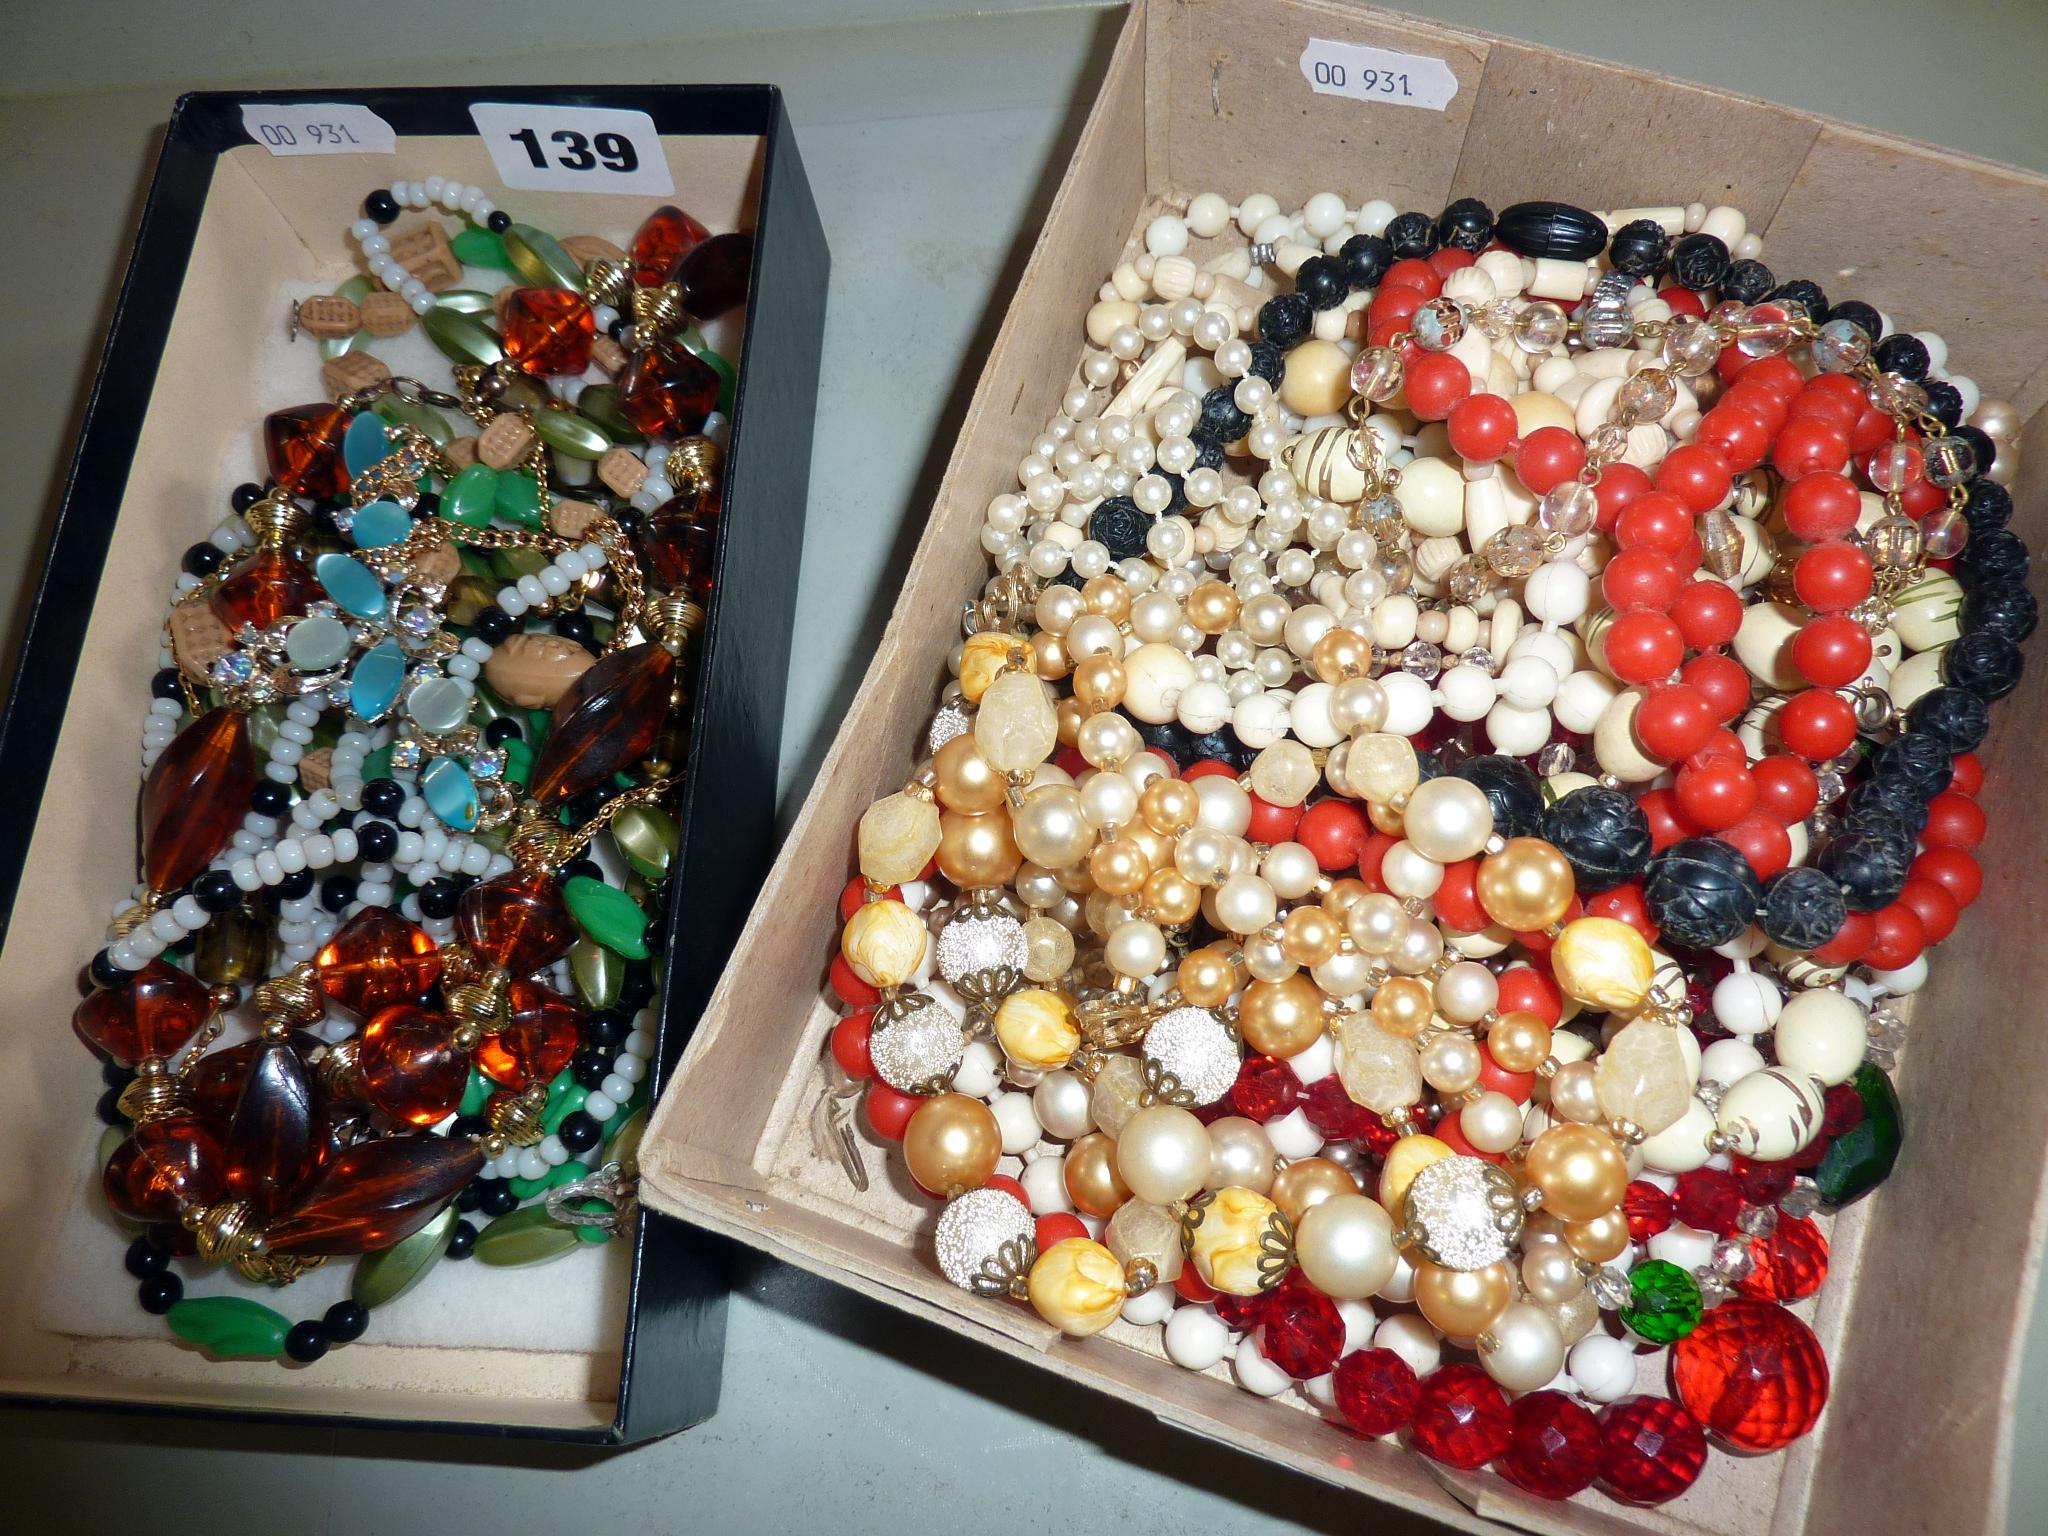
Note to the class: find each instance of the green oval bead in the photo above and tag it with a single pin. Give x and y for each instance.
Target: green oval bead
(471, 498)
(232, 1327)
(561, 1108)
(593, 1235)
(378, 764)
(480, 247)
(525, 1236)
(1861, 1158)
(263, 723)
(567, 1173)
(538, 260)
(355, 290)
(462, 338)
(389, 1273)
(598, 973)
(465, 301)
(415, 414)
(600, 402)
(648, 837)
(474, 1095)
(571, 435)
(623, 1145)
(608, 915)
(693, 342)
(508, 565)
(518, 762)
(526, 1189)
(519, 502)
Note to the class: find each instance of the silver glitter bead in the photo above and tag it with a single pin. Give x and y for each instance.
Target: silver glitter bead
(953, 719)
(1465, 1211)
(1758, 1220)
(972, 1230)
(1197, 1050)
(976, 941)
(916, 1045)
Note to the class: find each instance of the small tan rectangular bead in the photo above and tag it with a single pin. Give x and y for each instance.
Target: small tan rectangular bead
(330, 315)
(198, 638)
(316, 768)
(573, 519)
(588, 248)
(622, 470)
(442, 563)
(608, 354)
(386, 314)
(424, 252)
(462, 452)
(506, 441)
(352, 371)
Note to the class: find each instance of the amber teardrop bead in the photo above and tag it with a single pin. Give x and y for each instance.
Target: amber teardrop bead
(535, 1043)
(410, 1065)
(264, 588)
(549, 330)
(667, 236)
(678, 543)
(215, 1084)
(666, 392)
(376, 959)
(517, 920)
(195, 797)
(166, 1164)
(375, 1194)
(713, 277)
(609, 719)
(275, 1139)
(155, 1012)
(303, 448)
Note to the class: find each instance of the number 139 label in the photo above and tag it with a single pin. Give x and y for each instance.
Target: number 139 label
(573, 149)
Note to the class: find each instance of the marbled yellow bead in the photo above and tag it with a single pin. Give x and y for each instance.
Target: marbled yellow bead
(982, 657)
(1228, 1249)
(1410, 1155)
(1604, 963)
(1036, 1029)
(898, 836)
(1077, 1285)
(884, 943)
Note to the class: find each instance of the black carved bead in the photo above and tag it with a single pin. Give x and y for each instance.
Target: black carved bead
(2008, 611)
(1700, 892)
(1366, 259)
(1886, 807)
(1861, 315)
(346, 1321)
(216, 891)
(1411, 236)
(1995, 559)
(1168, 736)
(1221, 747)
(1268, 363)
(1177, 492)
(1558, 230)
(381, 206)
(1746, 282)
(1208, 451)
(1322, 282)
(1119, 527)
(1807, 295)
(1920, 761)
(1602, 833)
(1904, 354)
(1467, 225)
(1869, 868)
(1801, 909)
(1286, 321)
(1989, 507)
(1699, 261)
(1984, 662)
(1429, 765)
(1222, 421)
(1944, 403)
(1639, 248)
(159, 1293)
(306, 1342)
(1956, 718)
(1510, 788)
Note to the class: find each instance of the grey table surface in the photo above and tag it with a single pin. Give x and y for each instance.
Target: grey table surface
(933, 140)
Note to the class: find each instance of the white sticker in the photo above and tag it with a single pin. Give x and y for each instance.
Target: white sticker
(318, 128)
(573, 149)
(1377, 74)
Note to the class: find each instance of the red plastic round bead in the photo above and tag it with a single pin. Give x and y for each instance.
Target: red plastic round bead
(1482, 428)
(1849, 942)
(1651, 1449)
(1413, 272)
(1376, 1391)
(1789, 1265)
(1334, 831)
(1696, 475)
(1657, 520)
(1625, 904)
(1953, 870)
(1433, 383)
(1457, 899)
(1647, 1209)
(1932, 904)
(1620, 488)
(1817, 725)
(1554, 1446)
(1722, 679)
(1644, 647)
(1810, 445)
(1715, 794)
(1752, 1373)
(1831, 651)
(1547, 457)
(1641, 580)
(1708, 1200)
(1667, 823)
(1786, 788)
(1966, 773)
(1822, 508)
(850, 1044)
(889, 1112)
(1739, 434)
(1897, 937)
(1762, 839)
(1831, 578)
(1302, 1332)
(1674, 722)
(1461, 1417)
(1266, 1088)
(849, 988)
(1708, 613)
(1954, 820)
(1272, 823)
(1525, 989)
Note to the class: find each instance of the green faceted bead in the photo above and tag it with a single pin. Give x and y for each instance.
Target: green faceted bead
(412, 413)
(538, 260)
(608, 915)
(598, 973)
(519, 502)
(525, 1236)
(465, 301)
(475, 1095)
(1664, 1302)
(1861, 1158)
(472, 497)
(693, 342)
(571, 435)
(526, 1189)
(479, 247)
(623, 1145)
(648, 837)
(389, 1273)
(600, 402)
(462, 338)
(560, 1109)
(232, 1327)
(518, 762)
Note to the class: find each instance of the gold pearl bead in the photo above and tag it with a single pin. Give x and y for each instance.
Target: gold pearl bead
(1099, 683)
(1518, 1042)
(1340, 654)
(1049, 658)
(1172, 896)
(1118, 868)
(1343, 895)
(1108, 596)
(1463, 1302)
(1580, 1170)
(1071, 716)
(1281, 1018)
(966, 780)
(977, 850)
(1093, 1183)
(952, 1142)
(1212, 607)
(1206, 978)
(1527, 886)
(1309, 935)
(1403, 1007)
(1309, 1181)
(1599, 1239)
(1169, 806)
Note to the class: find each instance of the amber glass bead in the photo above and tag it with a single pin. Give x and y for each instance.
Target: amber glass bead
(155, 1012)
(375, 1194)
(667, 236)
(678, 543)
(166, 1164)
(216, 1082)
(264, 588)
(518, 921)
(303, 448)
(376, 959)
(666, 391)
(1789, 1265)
(535, 1043)
(1752, 1373)
(275, 1141)
(411, 1067)
(195, 797)
(549, 330)
(713, 277)
(609, 719)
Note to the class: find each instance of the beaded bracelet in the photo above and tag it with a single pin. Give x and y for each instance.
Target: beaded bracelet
(1221, 969)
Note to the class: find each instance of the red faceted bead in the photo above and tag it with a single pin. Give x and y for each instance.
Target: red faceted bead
(374, 1194)
(1752, 1373)
(195, 797)
(1762, 1183)
(1334, 1112)
(155, 1012)
(1647, 1209)
(1789, 1265)
(1266, 1088)
(1242, 1313)
(376, 959)
(1376, 1391)
(665, 238)
(1302, 1332)
(549, 331)
(678, 544)
(666, 391)
(535, 1044)
(303, 449)
(264, 588)
(1651, 1450)
(164, 1165)
(607, 720)
(1844, 1110)
(1461, 1417)
(410, 1065)
(516, 920)
(275, 1142)
(1708, 1200)
(1554, 1447)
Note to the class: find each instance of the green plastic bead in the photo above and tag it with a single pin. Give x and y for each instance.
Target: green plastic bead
(560, 1109)
(648, 837)
(1664, 1303)
(519, 502)
(567, 1173)
(412, 413)
(593, 1235)
(525, 1236)
(538, 260)
(389, 1273)
(472, 497)
(571, 435)
(693, 342)
(598, 973)
(378, 764)
(355, 290)
(232, 1327)
(623, 1145)
(1861, 1158)
(474, 1096)
(558, 1085)
(462, 338)
(526, 1189)
(608, 915)
(465, 301)
(478, 247)
(600, 402)
(518, 762)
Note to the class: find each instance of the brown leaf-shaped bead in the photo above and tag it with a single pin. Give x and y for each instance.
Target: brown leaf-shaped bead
(713, 277)
(375, 1194)
(610, 718)
(410, 1065)
(195, 797)
(155, 1012)
(376, 959)
(165, 1164)
(517, 920)
(536, 1042)
(303, 447)
(275, 1140)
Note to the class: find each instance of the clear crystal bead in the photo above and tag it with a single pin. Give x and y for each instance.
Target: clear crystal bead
(1607, 327)
(1950, 460)
(1766, 331)
(1608, 442)
(1569, 508)
(1479, 656)
(1557, 757)
(1541, 326)
(1713, 1289)
(1376, 374)
(1897, 396)
(1891, 467)
(1731, 1259)
(1467, 580)
(1841, 347)
(1515, 551)
(1802, 1199)
(1610, 1288)
(1691, 346)
(1758, 1220)
(1650, 395)
(1438, 325)
(1944, 533)
(1709, 1093)
(1423, 659)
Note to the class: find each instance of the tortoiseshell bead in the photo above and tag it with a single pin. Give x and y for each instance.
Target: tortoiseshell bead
(195, 797)
(609, 719)
(155, 1012)
(375, 1194)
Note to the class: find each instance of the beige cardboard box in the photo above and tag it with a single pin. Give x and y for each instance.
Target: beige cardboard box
(1933, 1279)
